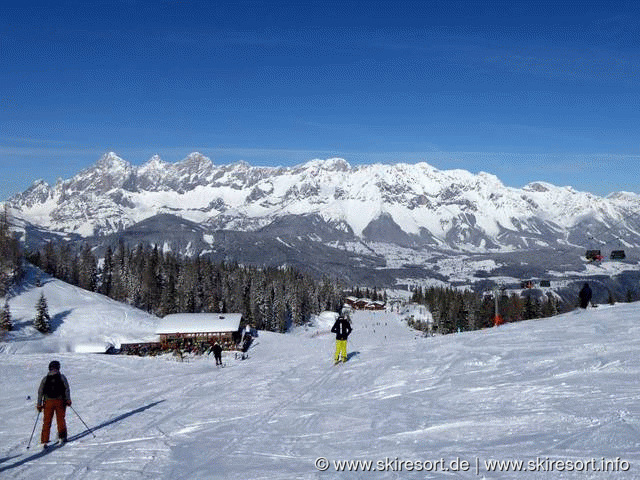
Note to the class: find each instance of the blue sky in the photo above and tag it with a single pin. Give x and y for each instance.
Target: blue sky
(524, 90)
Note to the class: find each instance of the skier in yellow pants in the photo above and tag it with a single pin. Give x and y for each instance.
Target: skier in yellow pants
(342, 329)
(341, 350)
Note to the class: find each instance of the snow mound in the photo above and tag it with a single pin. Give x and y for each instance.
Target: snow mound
(81, 321)
(325, 320)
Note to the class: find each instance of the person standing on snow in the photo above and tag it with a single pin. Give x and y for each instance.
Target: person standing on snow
(342, 329)
(53, 397)
(217, 352)
(585, 296)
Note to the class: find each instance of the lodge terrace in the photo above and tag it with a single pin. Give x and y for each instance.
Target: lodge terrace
(191, 332)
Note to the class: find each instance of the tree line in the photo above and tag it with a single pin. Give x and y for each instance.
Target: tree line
(162, 283)
(456, 310)
(10, 255)
(10, 268)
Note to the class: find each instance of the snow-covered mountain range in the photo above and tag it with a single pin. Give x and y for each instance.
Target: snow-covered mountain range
(375, 216)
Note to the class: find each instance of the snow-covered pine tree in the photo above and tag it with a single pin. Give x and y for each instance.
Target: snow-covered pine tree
(106, 274)
(485, 313)
(6, 323)
(550, 306)
(10, 254)
(531, 308)
(42, 322)
(168, 296)
(87, 269)
(151, 280)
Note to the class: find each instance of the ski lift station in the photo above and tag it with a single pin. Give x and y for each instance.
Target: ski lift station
(199, 327)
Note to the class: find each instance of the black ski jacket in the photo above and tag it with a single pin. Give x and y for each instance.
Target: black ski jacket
(341, 328)
(42, 396)
(585, 296)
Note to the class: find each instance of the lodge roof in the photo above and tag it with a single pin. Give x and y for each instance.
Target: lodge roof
(199, 323)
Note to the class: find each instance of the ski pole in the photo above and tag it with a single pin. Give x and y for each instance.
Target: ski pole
(90, 431)
(34, 429)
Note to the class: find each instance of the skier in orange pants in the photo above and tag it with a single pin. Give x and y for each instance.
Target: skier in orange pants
(53, 398)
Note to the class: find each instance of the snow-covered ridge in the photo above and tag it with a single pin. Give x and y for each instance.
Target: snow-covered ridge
(436, 207)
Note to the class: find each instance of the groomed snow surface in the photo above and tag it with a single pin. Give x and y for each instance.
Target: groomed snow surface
(560, 393)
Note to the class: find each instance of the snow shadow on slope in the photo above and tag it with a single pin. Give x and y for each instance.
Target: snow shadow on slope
(119, 418)
(58, 319)
(31, 458)
(31, 280)
(88, 431)
(6, 459)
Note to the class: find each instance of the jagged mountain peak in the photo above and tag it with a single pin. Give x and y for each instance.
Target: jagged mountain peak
(38, 192)
(626, 196)
(196, 161)
(111, 161)
(330, 164)
(156, 160)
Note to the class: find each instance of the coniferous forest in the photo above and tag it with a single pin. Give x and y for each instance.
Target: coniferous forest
(10, 255)
(162, 283)
(455, 310)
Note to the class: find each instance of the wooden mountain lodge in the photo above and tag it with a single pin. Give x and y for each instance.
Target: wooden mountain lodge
(200, 327)
(364, 304)
(198, 331)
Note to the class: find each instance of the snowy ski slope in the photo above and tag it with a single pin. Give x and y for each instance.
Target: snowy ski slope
(541, 392)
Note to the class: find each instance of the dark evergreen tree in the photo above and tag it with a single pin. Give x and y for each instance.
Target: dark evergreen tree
(42, 321)
(120, 273)
(6, 323)
(531, 309)
(106, 276)
(486, 313)
(511, 308)
(87, 269)
(461, 319)
(550, 306)
(630, 297)
(49, 259)
(168, 295)
(151, 288)
(10, 254)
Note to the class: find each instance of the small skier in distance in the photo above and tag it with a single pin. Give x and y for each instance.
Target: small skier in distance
(342, 329)
(585, 295)
(217, 352)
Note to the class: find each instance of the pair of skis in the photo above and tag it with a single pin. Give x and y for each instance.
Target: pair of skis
(47, 447)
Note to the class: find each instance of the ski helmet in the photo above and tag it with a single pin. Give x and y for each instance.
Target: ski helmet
(54, 365)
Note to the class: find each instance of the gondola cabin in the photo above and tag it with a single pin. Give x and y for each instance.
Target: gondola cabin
(593, 255)
(617, 255)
